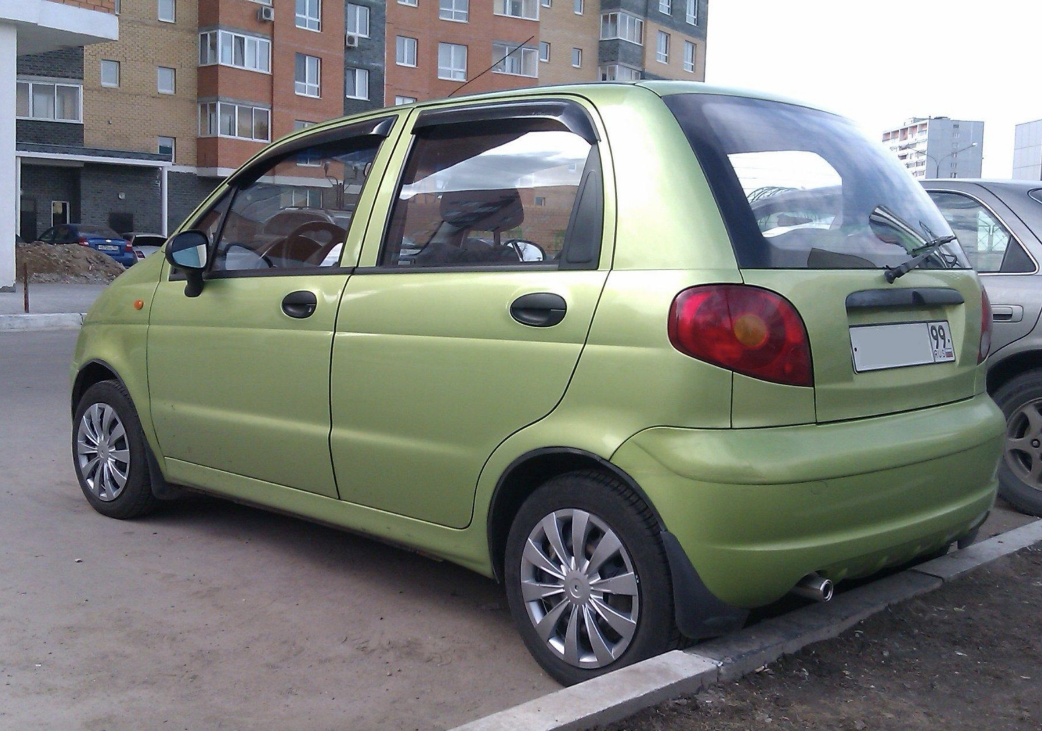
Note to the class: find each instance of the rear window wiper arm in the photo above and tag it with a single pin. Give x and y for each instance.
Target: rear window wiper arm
(921, 252)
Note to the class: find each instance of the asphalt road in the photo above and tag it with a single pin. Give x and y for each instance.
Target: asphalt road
(211, 615)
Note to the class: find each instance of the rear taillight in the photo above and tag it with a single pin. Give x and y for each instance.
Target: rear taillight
(745, 329)
(128, 247)
(82, 241)
(985, 326)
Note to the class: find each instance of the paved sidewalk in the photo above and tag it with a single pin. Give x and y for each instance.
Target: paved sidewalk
(51, 306)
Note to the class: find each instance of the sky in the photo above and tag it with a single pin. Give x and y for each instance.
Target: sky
(885, 61)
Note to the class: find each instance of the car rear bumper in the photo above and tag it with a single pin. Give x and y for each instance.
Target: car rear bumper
(755, 510)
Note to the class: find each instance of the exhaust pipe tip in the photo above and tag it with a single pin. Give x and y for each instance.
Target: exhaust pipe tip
(814, 587)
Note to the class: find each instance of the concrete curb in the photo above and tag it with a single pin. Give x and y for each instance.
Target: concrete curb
(53, 321)
(618, 695)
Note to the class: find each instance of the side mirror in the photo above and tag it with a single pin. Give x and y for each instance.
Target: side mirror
(189, 251)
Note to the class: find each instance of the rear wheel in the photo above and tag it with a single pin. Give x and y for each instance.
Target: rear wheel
(1020, 472)
(109, 452)
(587, 579)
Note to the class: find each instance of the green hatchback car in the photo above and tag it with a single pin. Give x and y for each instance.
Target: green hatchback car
(650, 354)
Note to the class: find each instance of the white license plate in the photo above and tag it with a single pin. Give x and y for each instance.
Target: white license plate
(876, 347)
(102, 247)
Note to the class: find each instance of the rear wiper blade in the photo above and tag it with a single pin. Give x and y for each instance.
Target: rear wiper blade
(922, 253)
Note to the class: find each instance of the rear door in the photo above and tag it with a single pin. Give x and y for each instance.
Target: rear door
(481, 276)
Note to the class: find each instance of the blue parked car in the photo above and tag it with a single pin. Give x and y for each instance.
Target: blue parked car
(99, 238)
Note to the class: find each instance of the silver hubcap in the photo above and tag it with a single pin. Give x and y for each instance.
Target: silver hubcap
(578, 583)
(102, 452)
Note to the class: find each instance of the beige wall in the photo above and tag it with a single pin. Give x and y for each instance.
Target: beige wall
(564, 30)
(675, 68)
(134, 115)
(104, 6)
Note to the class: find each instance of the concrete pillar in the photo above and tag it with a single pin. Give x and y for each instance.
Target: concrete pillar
(8, 183)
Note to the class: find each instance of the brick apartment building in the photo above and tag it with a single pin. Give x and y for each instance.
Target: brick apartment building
(192, 89)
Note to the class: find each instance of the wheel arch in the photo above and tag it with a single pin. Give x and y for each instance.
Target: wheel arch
(1011, 367)
(528, 472)
(91, 372)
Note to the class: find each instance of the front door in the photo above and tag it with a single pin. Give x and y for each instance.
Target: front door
(239, 375)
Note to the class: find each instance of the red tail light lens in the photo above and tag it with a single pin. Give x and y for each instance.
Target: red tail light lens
(985, 326)
(82, 241)
(128, 247)
(745, 329)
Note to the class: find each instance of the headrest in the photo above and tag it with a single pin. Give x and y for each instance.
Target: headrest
(483, 210)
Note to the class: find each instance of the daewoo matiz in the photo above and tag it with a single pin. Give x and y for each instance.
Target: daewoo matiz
(651, 354)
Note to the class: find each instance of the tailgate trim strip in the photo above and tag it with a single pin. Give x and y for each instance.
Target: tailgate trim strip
(867, 299)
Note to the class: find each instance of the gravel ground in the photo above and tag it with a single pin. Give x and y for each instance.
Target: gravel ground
(65, 263)
(968, 656)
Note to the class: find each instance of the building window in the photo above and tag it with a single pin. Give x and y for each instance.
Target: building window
(689, 56)
(517, 8)
(452, 62)
(456, 10)
(306, 74)
(308, 158)
(407, 2)
(110, 73)
(167, 11)
(309, 14)
(166, 80)
(662, 47)
(399, 100)
(665, 6)
(578, 6)
(508, 59)
(116, 7)
(545, 3)
(405, 51)
(577, 57)
(165, 146)
(224, 119)
(358, 20)
(356, 83)
(623, 26)
(692, 12)
(544, 51)
(234, 49)
(58, 102)
(618, 72)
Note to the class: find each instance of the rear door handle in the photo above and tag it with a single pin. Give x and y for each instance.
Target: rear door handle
(539, 309)
(300, 304)
(1007, 313)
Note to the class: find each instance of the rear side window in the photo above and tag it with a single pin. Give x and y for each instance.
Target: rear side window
(987, 242)
(493, 195)
(804, 189)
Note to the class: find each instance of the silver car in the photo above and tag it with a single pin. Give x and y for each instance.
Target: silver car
(999, 224)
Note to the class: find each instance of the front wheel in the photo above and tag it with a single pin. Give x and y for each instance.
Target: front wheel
(109, 452)
(587, 579)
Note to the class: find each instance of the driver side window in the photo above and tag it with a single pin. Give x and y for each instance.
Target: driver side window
(298, 211)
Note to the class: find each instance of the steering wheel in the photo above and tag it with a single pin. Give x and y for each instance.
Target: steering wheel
(298, 246)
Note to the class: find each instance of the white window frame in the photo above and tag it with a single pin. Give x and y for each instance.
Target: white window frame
(525, 9)
(53, 117)
(579, 7)
(411, 3)
(403, 45)
(399, 100)
(665, 7)
(311, 17)
(311, 84)
(358, 20)
(449, 67)
(212, 113)
(627, 27)
(690, 56)
(691, 13)
(618, 72)
(455, 11)
(662, 47)
(173, 145)
(171, 6)
(159, 80)
(577, 58)
(358, 75)
(546, 3)
(110, 64)
(211, 51)
(544, 51)
(510, 60)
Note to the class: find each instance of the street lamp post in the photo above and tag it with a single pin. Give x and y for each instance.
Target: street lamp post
(937, 163)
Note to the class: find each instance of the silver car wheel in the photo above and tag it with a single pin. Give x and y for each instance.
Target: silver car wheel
(102, 452)
(580, 589)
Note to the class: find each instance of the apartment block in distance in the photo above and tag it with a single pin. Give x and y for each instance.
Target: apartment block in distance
(938, 147)
(193, 89)
(1027, 151)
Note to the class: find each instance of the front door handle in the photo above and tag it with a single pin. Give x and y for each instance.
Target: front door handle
(300, 304)
(539, 309)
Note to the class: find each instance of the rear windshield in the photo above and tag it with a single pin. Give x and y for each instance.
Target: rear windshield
(804, 189)
(100, 232)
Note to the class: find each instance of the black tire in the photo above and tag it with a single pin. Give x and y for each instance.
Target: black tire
(1020, 471)
(645, 600)
(109, 453)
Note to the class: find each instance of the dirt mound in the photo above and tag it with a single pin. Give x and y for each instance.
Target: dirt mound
(66, 263)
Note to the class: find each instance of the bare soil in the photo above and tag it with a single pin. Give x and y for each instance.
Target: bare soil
(67, 263)
(967, 656)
